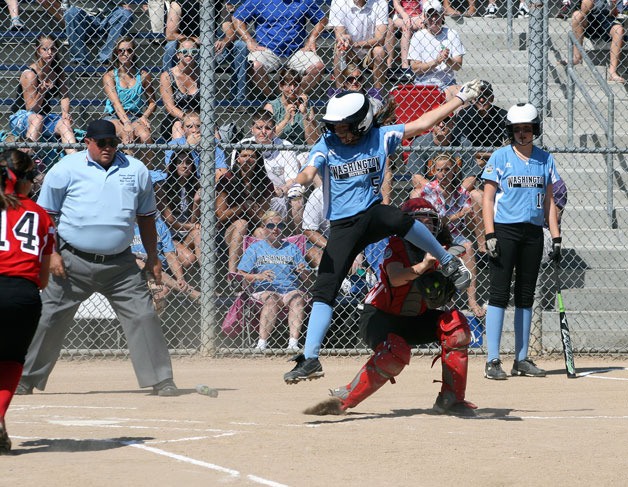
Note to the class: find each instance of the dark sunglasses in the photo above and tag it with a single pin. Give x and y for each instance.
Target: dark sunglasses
(126, 50)
(189, 52)
(102, 143)
(355, 79)
(272, 226)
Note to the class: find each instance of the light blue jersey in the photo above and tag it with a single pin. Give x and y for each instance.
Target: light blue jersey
(353, 174)
(97, 207)
(164, 241)
(521, 185)
(261, 256)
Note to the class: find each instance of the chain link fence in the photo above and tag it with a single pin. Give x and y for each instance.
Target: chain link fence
(207, 93)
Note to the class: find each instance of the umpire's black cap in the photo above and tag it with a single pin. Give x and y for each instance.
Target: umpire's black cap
(101, 129)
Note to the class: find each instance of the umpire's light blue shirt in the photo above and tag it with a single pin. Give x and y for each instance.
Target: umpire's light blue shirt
(97, 207)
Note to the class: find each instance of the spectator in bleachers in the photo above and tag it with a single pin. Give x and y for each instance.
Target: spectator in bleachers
(52, 6)
(597, 19)
(482, 124)
(281, 39)
(294, 118)
(39, 84)
(276, 269)
(360, 27)
(282, 167)
(178, 200)
(352, 78)
(407, 17)
(243, 195)
(172, 275)
(454, 206)
(180, 89)
(183, 22)
(421, 164)
(130, 95)
(436, 51)
(102, 28)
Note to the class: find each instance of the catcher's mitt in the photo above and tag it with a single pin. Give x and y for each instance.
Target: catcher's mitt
(436, 289)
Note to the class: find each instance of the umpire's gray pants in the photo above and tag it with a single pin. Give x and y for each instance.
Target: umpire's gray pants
(121, 282)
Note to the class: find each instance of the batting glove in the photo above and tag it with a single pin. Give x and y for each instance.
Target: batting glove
(492, 247)
(470, 90)
(556, 253)
(295, 192)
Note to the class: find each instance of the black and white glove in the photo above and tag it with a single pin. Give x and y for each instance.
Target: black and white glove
(492, 247)
(295, 192)
(556, 253)
(470, 90)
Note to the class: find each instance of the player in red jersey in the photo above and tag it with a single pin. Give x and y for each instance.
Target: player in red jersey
(26, 241)
(401, 311)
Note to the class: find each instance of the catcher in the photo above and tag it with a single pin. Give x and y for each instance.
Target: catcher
(401, 311)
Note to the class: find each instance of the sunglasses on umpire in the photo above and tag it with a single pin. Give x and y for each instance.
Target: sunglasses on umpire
(278, 226)
(102, 143)
(189, 52)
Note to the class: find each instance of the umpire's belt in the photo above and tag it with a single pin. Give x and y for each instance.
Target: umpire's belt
(97, 258)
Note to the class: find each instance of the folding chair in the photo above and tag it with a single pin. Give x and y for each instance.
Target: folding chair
(412, 102)
(242, 316)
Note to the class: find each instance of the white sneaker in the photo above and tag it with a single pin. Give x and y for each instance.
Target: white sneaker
(491, 11)
(524, 11)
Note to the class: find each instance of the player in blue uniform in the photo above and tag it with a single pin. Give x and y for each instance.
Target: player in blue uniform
(518, 199)
(351, 160)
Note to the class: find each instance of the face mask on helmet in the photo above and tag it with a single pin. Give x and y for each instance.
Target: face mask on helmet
(419, 208)
(352, 108)
(523, 113)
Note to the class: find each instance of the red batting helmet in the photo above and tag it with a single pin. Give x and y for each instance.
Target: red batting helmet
(419, 207)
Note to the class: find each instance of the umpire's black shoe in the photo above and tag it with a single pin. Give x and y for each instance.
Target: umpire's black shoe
(23, 389)
(5, 441)
(166, 388)
(526, 368)
(305, 369)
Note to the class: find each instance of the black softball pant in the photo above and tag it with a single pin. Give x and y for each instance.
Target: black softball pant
(347, 238)
(20, 309)
(520, 249)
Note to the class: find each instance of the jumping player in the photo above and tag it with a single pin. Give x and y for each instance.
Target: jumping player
(518, 199)
(26, 241)
(400, 311)
(350, 158)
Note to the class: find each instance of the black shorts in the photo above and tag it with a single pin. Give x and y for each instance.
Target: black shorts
(348, 237)
(375, 325)
(20, 308)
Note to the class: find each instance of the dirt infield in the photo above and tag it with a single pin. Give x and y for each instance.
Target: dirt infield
(93, 427)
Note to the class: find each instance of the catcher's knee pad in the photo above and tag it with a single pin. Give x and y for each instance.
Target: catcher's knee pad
(454, 336)
(389, 359)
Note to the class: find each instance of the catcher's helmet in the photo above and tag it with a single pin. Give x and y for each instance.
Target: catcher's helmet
(523, 113)
(418, 207)
(351, 107)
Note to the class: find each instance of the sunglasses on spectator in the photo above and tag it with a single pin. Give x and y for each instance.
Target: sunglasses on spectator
(352, 80)
(189, 52)
(192, 125)
(279, 226)
(102, 143)
(125, 50)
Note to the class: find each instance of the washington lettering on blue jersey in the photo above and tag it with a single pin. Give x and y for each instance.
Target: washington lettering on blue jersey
(353, 174)
(521, 185)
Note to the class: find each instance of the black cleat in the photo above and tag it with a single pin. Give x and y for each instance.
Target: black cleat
(305, 369)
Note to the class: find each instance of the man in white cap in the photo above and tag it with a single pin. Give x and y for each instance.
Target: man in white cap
(436, 51)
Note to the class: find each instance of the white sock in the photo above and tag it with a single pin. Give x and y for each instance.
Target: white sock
(262, 344)
(293, 342)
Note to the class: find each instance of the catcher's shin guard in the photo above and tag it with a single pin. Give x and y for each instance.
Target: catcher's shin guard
(454, 336)
(389, 359)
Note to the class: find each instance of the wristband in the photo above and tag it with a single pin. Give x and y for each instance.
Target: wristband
(557, 240)
(489, 236)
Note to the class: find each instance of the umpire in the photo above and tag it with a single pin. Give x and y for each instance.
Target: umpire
(96, 196)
